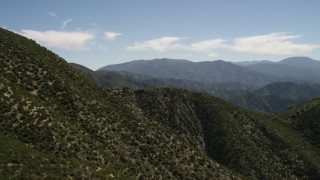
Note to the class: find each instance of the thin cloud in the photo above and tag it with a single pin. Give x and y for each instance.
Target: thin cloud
(93, 24)
(160, 44)
(212, 55)
(171, 43)
(65, 23)
(274, 43)
(202, 46)
(75, 40)
(111, 35)
(52, 14)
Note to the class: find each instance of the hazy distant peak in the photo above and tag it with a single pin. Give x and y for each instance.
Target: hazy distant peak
(301, 62)
(298, 59)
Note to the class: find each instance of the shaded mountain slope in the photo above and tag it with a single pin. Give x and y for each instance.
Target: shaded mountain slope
(305, 119)
(243, 141)
(92, 75)
(262, 103)
(55, 121)
(290, 90)
(210, 71)
(274, 97)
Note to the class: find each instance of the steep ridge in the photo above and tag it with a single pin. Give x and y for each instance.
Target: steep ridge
(55, 123)
(249, 143)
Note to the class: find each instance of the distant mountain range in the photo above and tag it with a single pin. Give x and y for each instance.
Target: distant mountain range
(255, 73)
(114, 79)
(293, 69)
(211, 71)
(272, 97)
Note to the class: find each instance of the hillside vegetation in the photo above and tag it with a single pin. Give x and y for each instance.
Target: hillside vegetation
(305, 120)
(55, 123)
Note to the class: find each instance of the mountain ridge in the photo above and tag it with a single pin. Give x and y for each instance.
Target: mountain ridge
(299, 69)
(296, 69)
(209, 71)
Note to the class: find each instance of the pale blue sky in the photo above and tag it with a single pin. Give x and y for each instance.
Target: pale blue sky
(96, 33)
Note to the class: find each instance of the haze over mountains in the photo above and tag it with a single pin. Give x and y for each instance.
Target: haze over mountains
(293, 69)
(289, 82)
(56, 123)
(256, 73)
(213, 71)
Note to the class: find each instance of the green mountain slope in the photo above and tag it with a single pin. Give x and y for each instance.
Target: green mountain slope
(249, 143)
(55, 122)
(305, 119)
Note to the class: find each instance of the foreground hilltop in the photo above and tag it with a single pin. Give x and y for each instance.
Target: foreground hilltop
(55, 123)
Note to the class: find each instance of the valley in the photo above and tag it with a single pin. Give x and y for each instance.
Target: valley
(282, 91)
